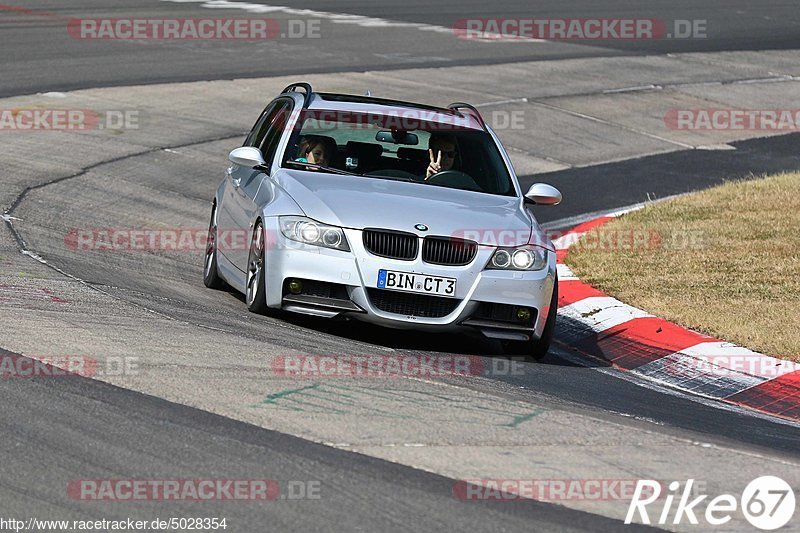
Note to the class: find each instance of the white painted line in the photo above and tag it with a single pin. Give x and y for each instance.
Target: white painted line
(498, 38)
(715, 147)
(637, 88)
(601, 313)
(776, 79)
(501, 102)
(612, 124)
(571, 222)
(564, 273)
(625, 211)
(566, 241)
(34, 256)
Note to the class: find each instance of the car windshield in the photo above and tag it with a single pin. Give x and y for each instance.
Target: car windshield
(386, 147)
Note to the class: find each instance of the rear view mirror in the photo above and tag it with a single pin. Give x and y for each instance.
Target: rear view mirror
(543, 194)
(397, 137)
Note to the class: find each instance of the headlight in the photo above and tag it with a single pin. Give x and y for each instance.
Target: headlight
(332, 237)
(501, 259)
(309, 231)
(522, 258)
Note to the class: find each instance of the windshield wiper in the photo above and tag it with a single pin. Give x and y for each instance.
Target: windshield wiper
(393, 178)
(313, 166)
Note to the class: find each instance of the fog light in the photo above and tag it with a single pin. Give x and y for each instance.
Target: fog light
(523, 314)
(295, 286)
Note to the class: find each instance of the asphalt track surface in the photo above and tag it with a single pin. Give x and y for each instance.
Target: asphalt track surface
(358, 493)
(39, 55)
(50, 419)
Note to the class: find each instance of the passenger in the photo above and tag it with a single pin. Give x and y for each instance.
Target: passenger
(316, 149)
(442, 150)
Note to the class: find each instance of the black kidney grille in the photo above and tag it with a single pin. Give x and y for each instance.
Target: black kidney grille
(391, 244)
(410, 304)
(448, 251)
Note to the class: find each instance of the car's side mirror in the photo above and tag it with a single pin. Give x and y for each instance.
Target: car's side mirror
(543, 194)
(247, 156)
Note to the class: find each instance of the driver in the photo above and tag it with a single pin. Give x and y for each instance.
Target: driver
(442, 150)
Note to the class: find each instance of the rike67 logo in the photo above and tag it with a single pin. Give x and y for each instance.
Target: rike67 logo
(768, 503)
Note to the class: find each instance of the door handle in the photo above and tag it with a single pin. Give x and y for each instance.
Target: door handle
(236, 182)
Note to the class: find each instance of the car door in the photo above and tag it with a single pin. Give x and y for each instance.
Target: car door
(238, 208)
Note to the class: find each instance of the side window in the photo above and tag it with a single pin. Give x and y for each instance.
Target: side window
(277, 126)
(260, 128)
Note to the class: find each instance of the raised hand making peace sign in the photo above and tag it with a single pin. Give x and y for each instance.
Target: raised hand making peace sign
(442, 154)
(435, 165)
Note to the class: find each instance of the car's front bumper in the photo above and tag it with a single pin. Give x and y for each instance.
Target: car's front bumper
(357, 271)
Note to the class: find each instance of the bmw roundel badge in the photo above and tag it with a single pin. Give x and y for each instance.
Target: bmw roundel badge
(421, 227)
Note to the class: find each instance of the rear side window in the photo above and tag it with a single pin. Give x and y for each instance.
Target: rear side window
(275, 127)
(256, 134)
(268, 129)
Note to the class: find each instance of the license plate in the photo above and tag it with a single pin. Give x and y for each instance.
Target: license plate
(406, 281)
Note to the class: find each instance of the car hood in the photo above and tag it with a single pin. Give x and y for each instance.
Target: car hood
(362, 202)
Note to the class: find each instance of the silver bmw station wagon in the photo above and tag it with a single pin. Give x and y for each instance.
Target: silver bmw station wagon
(395, 213)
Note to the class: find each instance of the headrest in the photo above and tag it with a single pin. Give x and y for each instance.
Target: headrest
(364, 150)
(413, 154)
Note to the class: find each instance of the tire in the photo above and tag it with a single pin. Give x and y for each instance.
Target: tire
(536, 349)
(211, 277)
(255, 289)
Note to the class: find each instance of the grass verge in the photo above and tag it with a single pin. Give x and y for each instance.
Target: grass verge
(724, 262)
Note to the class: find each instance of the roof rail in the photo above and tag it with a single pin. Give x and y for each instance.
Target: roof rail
(303, 85)
(458, 106)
